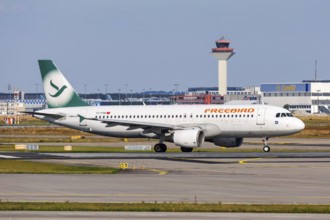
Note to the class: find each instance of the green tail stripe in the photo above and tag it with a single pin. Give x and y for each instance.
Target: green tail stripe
(47, 66)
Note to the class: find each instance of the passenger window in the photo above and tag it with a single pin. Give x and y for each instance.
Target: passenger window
(283, 115)
(278, 115)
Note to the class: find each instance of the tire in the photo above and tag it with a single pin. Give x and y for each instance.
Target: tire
(266, 148)
(160, 148)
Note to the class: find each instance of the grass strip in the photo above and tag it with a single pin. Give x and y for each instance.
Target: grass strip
(30, 167)
(162, 207)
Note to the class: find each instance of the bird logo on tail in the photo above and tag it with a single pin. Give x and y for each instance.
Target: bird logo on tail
(59, 91)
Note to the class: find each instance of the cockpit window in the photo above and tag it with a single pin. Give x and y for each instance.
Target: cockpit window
(283, 115)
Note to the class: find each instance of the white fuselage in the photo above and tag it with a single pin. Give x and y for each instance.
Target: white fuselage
(214, 120)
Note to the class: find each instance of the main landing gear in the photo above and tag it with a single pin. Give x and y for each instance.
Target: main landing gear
(160, 147)
(266, 147)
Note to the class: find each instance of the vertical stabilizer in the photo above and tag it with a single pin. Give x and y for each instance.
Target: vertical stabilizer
(58, 91)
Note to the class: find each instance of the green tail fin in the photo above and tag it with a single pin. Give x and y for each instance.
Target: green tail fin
(58, 91)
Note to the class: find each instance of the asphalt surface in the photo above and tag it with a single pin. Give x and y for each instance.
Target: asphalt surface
(157, 215)
(267, 178)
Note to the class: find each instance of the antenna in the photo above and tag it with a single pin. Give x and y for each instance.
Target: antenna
(315, 70)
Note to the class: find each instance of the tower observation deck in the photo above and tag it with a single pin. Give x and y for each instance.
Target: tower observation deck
(222, 53)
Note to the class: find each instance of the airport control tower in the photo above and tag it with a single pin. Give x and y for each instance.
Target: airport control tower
(222, 52)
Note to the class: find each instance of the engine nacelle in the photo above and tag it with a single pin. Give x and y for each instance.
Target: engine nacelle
(189, 138)
(228, 142)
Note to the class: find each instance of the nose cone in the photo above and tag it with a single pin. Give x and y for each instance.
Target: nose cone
(299, 125)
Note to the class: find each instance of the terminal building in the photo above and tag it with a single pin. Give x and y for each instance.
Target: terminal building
(312, 96)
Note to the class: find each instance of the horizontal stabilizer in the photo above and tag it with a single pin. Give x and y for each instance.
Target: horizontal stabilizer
(55, 116)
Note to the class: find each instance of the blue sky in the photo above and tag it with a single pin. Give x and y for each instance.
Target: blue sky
(156, 44)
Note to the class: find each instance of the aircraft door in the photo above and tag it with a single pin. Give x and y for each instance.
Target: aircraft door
(82, 121)
(261, 116)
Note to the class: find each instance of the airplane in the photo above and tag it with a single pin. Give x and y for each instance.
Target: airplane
(187, 126)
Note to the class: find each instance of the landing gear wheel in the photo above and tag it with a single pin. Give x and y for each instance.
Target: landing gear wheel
(160, 148)
(266, 148)
(186, 149)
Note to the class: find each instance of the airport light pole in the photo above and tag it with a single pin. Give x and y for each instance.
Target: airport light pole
(106, 88)
(126, 91)
(176, 87)
(119, 91)
(85, 86)
(150, 96)
(131, 96)
(318, 101)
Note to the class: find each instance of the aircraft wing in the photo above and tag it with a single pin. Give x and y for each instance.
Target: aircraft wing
(135, 124)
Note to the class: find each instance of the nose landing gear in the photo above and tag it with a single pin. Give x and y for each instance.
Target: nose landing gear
(266, 147)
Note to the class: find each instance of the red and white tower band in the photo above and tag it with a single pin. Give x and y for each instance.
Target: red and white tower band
(222, 53)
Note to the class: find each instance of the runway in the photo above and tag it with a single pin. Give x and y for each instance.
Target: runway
(284, 178)
(203, 177)
(156, 215)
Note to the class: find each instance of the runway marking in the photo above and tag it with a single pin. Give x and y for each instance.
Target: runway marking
(8, 157)
(160, 172)
(248, 160)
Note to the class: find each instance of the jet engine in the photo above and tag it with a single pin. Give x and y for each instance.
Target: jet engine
(189, 138)
(228, 142)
